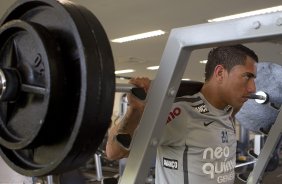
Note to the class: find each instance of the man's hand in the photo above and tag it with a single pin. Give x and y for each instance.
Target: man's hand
(134, 102)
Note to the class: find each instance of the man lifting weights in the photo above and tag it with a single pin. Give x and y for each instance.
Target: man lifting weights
(199, 141)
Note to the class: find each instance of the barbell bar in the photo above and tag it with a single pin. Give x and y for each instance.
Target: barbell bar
(260, 96)
(9, 79)
(129, 88)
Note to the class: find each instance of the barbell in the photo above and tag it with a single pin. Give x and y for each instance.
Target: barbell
(57, 86)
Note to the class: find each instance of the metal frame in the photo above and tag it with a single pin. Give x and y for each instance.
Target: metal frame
(180, 44)
(267, 151)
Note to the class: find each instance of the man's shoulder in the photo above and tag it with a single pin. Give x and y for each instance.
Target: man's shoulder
(193, 103)
(189, 98)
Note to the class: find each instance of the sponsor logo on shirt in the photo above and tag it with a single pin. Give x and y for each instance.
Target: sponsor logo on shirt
(201, 108)
(170, 163)
(208, 123)
(173, 114)
(218, 162)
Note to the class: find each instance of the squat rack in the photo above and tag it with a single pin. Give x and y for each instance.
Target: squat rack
(180, 44)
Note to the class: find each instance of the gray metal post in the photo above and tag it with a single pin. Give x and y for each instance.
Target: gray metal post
(267, 150)
(244, 137)
(50, 179)
(98, 164)
(181, 42)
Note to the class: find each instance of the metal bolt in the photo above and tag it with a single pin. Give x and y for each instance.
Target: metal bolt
(154, 142)
(172, 92)
(256, 25)
(279, 22)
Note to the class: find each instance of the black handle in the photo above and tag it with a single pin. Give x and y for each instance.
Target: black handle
(139, 93)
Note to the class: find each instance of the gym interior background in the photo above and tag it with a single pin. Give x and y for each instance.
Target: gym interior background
(126, 18)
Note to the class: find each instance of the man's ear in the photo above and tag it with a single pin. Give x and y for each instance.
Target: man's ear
(219, 72)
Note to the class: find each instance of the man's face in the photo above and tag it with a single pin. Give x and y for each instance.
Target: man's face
(239, 83)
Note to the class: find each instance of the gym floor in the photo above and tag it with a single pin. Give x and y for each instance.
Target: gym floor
(110, 169)
(88, 175)
(274, 177)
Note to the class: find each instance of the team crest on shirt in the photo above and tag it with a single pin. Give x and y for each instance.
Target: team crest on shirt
(170, 163)
(201, 108)
(173, 114)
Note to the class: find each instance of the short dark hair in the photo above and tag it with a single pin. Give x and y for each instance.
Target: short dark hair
(228, 57)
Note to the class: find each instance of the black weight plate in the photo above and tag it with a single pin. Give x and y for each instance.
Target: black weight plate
(37, 70)
(75, 140)
(254, 116)
(107, 70)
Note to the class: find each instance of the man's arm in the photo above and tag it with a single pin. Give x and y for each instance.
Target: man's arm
(115, 149)
(120, 134)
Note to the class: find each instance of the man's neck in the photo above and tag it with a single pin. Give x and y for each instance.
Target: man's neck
(211, 94)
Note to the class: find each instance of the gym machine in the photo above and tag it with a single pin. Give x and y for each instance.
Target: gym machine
(181, 42)
(66, 84)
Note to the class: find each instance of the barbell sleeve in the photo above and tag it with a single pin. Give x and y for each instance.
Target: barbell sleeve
(260, 97)
(254, 96)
